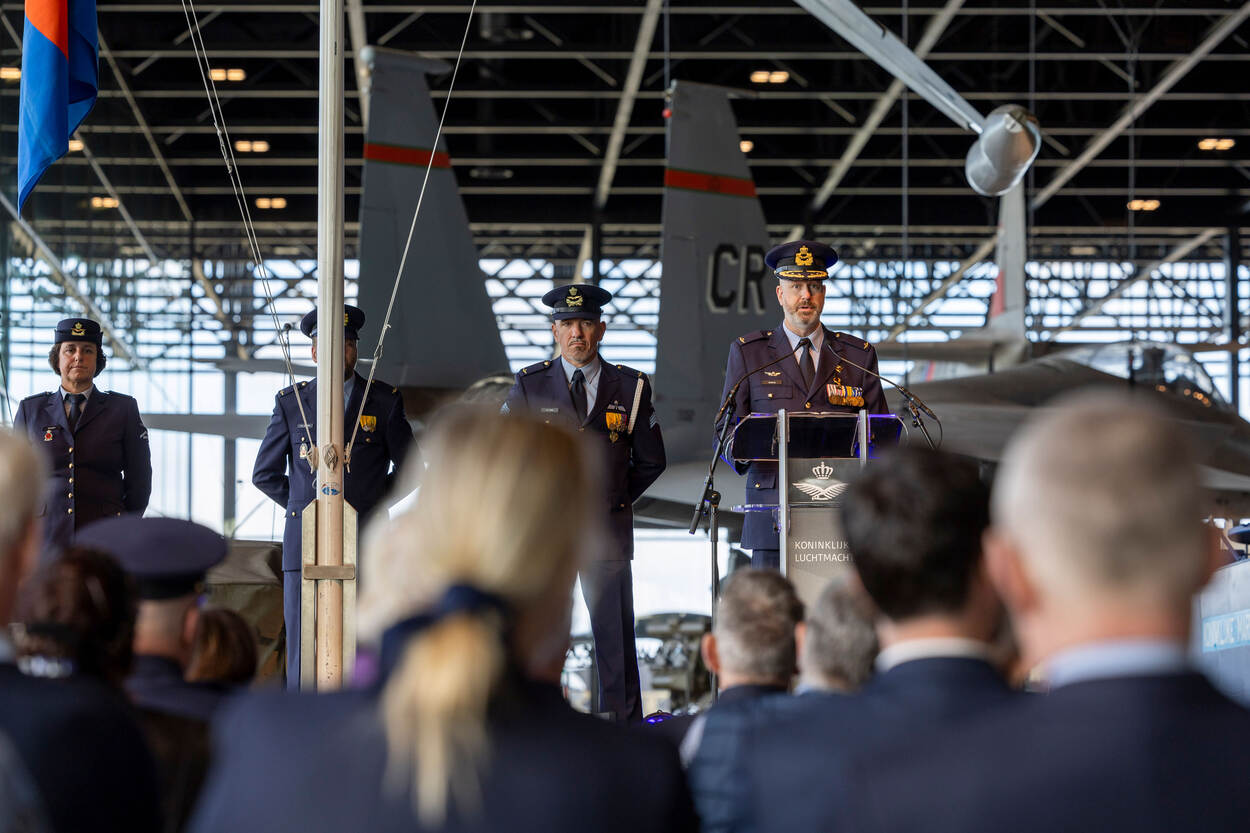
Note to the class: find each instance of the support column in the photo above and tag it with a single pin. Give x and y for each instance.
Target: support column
(1232, 266)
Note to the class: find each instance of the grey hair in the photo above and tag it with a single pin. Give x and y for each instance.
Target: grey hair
(755, 621)
(840, 644)
(1101, 494)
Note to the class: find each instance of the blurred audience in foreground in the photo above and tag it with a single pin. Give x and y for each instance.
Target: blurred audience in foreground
(468, 596)
(914, 523)
(76, 615)
(223, 650)
(75, 737)
(1097, 548)
(837, 643)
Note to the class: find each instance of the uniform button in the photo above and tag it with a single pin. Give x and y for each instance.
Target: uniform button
(71, 449)
(622, 506)
(581, 429)
(70, 495)
(70, 511)
(71, 480)
(770, 396)
(757, 485)
(808, 405)
(71, 465)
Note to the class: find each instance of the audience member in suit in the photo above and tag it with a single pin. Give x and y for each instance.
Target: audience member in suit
(167, 558)
(468, 597)
(76, 739)
(1097, 548)
(914, 523)
(836, 642)
(76, 615)
(752, 651)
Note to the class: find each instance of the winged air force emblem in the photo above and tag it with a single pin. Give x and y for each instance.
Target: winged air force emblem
(815, 491)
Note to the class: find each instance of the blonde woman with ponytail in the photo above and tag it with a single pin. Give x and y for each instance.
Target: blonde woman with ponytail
(466, 600)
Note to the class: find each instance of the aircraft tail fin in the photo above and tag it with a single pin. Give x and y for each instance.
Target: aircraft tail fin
(715, 285)
(442, 292)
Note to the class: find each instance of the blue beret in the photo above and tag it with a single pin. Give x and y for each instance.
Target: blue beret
(78, 329)
(168, 557)
(353, 323)
(801, 260)
(577, 300)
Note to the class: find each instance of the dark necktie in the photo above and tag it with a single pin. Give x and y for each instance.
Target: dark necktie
(578, 390)
(76, 401)
(805, 362)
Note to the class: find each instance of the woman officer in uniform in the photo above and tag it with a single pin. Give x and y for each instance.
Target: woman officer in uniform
(95, 442)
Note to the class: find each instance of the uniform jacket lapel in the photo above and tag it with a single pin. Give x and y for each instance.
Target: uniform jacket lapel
(557, 386)
(829, 363)
(53, 413)
(97, 402)
(609, 390)
(779, 344)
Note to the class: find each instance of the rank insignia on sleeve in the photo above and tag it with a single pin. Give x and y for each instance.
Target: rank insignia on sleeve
(368, 423)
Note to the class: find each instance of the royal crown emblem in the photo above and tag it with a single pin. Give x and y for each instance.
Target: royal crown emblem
(574, 298)
(823, 472)
(831, 491)
(78, 329)
(804, 257)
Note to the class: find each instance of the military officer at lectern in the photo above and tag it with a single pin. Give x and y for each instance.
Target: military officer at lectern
(94, 440)
(612, 403)
(384, 439)
(820, 379)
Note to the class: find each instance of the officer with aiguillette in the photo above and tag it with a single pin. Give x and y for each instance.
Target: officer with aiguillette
(821, 377)
(612, 404)
(384, 439)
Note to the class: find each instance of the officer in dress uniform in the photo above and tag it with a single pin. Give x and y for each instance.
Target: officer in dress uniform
(95, 442)
(821, 378)
(167, 558)
(612, 402)
(383, 439)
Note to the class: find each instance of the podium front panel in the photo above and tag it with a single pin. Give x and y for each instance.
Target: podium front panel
(816, 547)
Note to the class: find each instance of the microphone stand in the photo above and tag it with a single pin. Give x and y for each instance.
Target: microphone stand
(914, 405)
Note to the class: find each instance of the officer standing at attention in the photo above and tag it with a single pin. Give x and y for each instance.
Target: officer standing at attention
(612, 402)
(95, 442)
(383, 439)
(820, 379)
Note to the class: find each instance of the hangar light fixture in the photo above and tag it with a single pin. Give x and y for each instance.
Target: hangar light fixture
(769, 76)
(1143, 205)
(746, 146)
(10, 73)
(251, 146)
(1216, 144)
(232, 74)
(271, 202)
(75, 145)
(103, 202)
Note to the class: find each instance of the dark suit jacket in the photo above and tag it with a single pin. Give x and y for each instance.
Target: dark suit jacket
(800, 746)
(1146, 754)
(102, 468)
(781, 386)
(316, 763)
(632, 461)
(384, 438)
(85, 753)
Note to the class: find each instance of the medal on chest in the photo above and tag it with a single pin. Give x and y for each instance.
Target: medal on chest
(615, 421)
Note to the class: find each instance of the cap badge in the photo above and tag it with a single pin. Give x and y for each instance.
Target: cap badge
(368, 423)
(77, 329)
(346, 319)
(803, 258)
(574, 298)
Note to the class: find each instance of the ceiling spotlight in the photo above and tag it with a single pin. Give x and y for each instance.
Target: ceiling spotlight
(1216, 144)
(10, 73)
(1083, 251)
(103, 202)
(778, 77)
(271, 202)
(234, 74)
(75, 145)
(746, 146)
(1143, 205)
(760, 76)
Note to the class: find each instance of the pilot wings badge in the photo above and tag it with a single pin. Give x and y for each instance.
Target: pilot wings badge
(817, 491)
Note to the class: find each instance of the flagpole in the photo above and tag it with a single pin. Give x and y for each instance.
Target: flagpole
(330, 337)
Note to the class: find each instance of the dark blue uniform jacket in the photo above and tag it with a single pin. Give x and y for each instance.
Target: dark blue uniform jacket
(102, 468)
(781, 386)
(1151, 754)
(384, 438)
(632, 461)
(318, 762)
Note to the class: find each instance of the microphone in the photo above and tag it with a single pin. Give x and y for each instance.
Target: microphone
(908, 395)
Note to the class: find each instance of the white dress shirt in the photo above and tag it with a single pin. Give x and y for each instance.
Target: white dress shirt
(590, 373)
